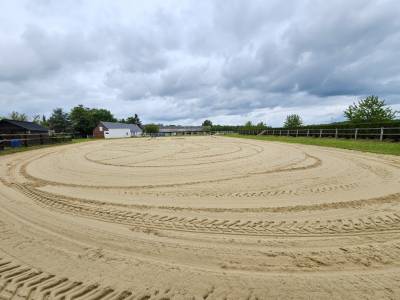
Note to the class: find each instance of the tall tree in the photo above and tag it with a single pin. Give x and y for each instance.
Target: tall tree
(370, 109)
(134, 120)
(44, 122)
(248, 124)
(81, 120)
(293, 121)
(101, 114)
(59, 121)
(207, 123)
(85, 119)
(18, 116)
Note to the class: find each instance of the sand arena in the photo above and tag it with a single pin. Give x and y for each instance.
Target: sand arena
(199, 218)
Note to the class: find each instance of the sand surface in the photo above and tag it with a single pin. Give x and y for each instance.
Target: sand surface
(199, 218)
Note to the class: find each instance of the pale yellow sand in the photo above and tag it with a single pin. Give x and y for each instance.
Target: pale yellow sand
(199, 218)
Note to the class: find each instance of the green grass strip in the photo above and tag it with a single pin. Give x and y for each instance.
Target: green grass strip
(360, 145)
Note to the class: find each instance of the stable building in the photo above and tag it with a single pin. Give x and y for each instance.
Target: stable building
(110, 130)
(182, 130)
(21, 127)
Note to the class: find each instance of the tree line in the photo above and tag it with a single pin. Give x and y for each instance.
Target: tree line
(82, 120)
(371, 109)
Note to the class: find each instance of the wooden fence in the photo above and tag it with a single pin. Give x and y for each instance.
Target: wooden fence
(27, 140)
(383, 133)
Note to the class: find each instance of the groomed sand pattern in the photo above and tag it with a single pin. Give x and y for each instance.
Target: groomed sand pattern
(199, 218)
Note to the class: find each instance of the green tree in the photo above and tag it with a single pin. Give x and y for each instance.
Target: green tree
(101, 114)
(207, 123)
(370, 109)
(293, 121)
(59, 121)
(134, 120)
(151, 128)
(85, 119)
(81, 120)
(261, 124)
(44, 122)
(18, 116)
(248, 124)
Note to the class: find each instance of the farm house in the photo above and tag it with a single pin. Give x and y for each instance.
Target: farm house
(110, 130)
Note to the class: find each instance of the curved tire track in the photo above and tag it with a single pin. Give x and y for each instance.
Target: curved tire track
(363, 225)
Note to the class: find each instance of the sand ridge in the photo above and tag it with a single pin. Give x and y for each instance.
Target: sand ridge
(199, 217)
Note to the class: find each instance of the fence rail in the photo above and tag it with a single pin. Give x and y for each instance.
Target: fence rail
(27, 140)
(382, 133)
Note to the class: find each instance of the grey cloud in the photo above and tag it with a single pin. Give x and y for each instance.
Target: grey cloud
(183, 61)
(37, 53)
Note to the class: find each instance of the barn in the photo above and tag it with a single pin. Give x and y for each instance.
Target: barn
(181, 130)
(116, 130)
(21, 127)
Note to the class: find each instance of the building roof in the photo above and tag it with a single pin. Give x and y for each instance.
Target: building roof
(26, 125)
(116, 125)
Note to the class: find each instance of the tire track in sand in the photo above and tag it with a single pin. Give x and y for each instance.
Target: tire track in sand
(389, 222)
(21, 282)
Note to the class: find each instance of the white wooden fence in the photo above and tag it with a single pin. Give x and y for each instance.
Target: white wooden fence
(382, 133)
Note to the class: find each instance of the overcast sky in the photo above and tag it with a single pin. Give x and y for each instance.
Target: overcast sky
(180, 62)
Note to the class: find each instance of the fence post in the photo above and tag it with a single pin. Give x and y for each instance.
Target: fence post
(288, 132)
(320, 133)
(297, 133)
(336, 133)
(273, 132)
(356, 133)
(381, 135)
(308, 132)
(25, 140)
(280, 132)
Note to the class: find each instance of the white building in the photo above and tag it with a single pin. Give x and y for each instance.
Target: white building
(110, 130)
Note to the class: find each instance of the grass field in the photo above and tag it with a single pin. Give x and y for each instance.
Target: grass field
(360, 145)
(23, 149)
